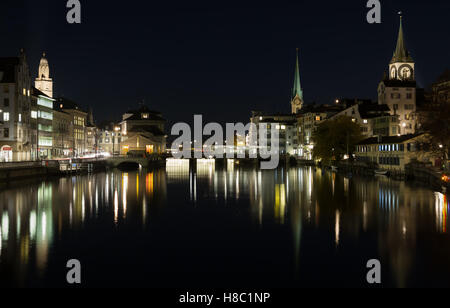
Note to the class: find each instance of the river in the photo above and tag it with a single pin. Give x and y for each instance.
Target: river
(295, 227)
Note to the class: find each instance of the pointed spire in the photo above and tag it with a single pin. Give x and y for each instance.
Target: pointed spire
(401, 54)
(297, 85)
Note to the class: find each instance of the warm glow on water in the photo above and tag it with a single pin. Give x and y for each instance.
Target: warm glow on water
(207, 227)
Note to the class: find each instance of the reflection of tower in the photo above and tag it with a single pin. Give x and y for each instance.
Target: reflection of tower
(44, 83)
(297, 93)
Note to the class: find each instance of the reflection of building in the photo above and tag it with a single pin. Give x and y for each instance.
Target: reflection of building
(142, 132)
(15, 101)
(398, 89)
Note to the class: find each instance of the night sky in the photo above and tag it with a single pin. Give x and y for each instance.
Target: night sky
(220, 58)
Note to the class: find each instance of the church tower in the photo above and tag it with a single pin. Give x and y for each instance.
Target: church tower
(297, 93)
(402, 64)
(397, 90)
(44, 83)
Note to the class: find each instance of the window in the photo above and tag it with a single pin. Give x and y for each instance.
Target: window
(395, 106)
(409, 96)
(20, 117)
(34, 114)
(6, 132)
(6, 102)
(6, 116)
(6, 89)
(396, 95)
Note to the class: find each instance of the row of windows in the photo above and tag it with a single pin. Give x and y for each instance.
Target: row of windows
(399, 96)
(382, 148)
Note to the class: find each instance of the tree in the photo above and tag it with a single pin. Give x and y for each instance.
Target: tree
(335, 138)
(436, 122)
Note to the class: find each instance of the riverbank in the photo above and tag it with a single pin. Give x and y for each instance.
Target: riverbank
(36, 170)
(413, 173)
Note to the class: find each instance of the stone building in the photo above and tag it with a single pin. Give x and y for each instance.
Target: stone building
(79, 121)
(142, 132)
(16, 138)
(398, 89)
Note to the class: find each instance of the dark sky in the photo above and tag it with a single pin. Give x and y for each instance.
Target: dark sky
(220, 58)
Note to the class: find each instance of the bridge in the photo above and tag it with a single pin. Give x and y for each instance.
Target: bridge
(144, 162)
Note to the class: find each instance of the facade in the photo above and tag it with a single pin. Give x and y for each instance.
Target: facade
(109, 138)
(79, 121)
(374, 119)
(307, 121)
(297, 93)
(16, 139)
(394, 153)
(441, 88)
(142, 132)
(286, 124)
(398, 90)
(42, 115)
(62, 134)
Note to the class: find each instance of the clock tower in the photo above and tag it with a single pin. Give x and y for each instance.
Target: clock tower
(297, 93)
(397, 90)
(402, 64)
(44, 83)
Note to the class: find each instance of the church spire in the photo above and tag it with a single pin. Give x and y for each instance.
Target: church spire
(297, 91)
(401, 54)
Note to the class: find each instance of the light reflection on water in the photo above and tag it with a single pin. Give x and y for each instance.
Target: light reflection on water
(342, 213)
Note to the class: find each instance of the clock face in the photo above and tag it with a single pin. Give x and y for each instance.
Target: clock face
(406, 72)
(393, 73)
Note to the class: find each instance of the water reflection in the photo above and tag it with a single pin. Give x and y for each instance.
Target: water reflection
(387, 217)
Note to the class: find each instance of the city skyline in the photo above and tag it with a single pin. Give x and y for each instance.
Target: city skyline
(205, 75)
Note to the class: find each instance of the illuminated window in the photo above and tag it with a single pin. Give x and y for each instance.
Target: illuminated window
(145, 115)
(24, 91)
(149, 149)
(6, 116)
(318, 118)
(34, 114)
(20, 117)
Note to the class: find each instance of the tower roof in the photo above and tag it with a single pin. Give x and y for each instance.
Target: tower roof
(297, 85)
(401, 54)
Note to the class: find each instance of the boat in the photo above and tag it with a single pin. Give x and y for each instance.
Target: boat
(381, 172)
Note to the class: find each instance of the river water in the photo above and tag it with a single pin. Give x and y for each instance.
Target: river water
(172, 227)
